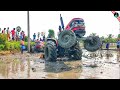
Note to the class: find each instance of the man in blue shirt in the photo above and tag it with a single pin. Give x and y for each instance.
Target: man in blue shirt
(107, 45)
(34, 37)
(118, 44)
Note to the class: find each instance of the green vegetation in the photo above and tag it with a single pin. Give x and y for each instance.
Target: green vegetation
(13, 45)
(2, 47)
(51, 33)
(118, 35)
(3, 38)
(26, 38)
(110, 39)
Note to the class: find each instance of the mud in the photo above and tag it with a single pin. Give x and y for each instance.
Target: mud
(98, 65)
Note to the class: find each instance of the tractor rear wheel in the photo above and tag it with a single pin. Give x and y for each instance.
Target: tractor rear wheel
(50, 52)
(78, 52)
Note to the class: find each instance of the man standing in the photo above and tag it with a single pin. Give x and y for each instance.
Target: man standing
(22, 43)
(107, 45)
(3, 31)
(44, 38)
(34, 37)
(17, 35)
(118, 44)
(38, 35)
(13, 34)
(8, 34)
(23, 35)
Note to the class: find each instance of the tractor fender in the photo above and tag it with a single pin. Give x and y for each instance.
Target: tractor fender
(53, 40)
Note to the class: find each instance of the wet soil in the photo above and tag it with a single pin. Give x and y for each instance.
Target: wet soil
(102, 64)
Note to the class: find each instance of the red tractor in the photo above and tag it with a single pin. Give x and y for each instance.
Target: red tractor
(68, 43)
(77, 25)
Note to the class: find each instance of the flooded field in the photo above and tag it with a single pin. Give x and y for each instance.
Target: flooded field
(99, 65)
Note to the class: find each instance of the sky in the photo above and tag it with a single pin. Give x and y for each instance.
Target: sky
(100, 22)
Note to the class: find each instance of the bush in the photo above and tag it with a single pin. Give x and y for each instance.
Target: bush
(110, 40)
(7, 45)
(12, 45)
(3, 38)
(26, 38)
(2, 47)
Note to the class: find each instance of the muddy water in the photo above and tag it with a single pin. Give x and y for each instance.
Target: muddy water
(98, 65)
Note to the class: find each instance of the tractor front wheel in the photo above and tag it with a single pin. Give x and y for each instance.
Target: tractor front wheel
(92, 43)
(78, 54)
(50, 52)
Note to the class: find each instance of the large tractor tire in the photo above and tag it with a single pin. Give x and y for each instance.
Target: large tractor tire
(50, 51)
(78, 52)
(92, 43)
(66, 39)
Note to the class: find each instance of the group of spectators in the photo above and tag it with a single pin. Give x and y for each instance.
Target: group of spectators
(13, 34)
(37, 37)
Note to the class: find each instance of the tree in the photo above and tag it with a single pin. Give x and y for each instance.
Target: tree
(102, 38)
(93, 34)
(110, 36)
(26, 38)
(118, 35)
(51, 33)
(110, 39)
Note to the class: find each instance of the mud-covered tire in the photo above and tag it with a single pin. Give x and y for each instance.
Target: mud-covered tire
(94, 46)
(78, 54)
(66, 39)
(50, 51)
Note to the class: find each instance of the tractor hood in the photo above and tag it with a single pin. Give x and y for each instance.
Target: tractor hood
(76, 24)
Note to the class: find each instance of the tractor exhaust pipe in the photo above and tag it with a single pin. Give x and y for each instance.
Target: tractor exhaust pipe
(62, 23)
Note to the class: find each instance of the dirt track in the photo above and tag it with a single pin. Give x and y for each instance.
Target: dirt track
(99, 65)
